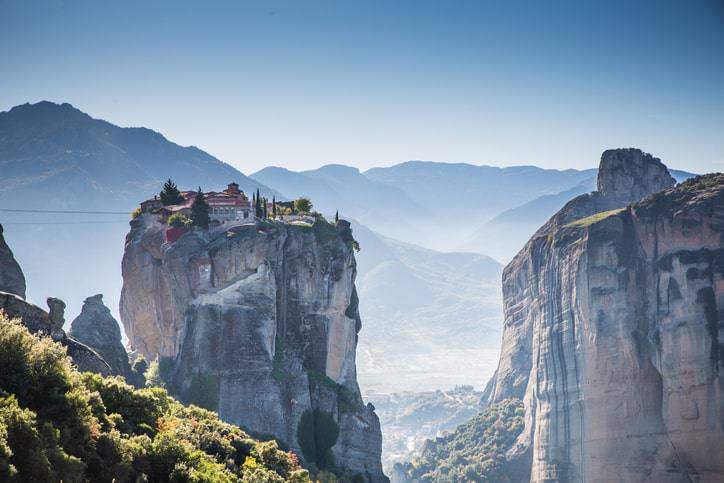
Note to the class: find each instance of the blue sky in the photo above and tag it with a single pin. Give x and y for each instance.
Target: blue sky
(304, 83)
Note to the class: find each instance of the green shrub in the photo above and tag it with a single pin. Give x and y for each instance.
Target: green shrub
(203, 391)
(178, 220)
(317, 433)
(159, 371)
(475, 452)
(136, 213)
(59, 425)
(302, 205)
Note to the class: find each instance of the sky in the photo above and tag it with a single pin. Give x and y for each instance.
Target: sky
(302, 83)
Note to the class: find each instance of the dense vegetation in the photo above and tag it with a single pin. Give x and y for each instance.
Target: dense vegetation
(409, 419)
(57, 424)
(475, 452)
(317, 433)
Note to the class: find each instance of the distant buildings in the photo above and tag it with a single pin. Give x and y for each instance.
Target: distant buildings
(225, 207)
(228, 205)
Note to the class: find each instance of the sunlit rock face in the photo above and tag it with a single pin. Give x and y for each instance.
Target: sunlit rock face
(262, 319)
(12, 279)
(96, 328)
(612, 332)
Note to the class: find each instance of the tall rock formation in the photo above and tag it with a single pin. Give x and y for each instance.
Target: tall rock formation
(12, 279)
(260, 323)
(37, 320)
(613, 317)
(49, 323)
(96, 327)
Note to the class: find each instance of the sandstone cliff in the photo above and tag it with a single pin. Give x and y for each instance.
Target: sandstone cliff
(12, 279)
(96, 328)
(50, 323)
(260, 323)
(611, 334)
(37, 320)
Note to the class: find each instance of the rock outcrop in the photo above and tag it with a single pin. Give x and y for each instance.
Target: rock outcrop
(259, 322)
(12, 279)
(96, 328)
(613, 316)
(38, 321)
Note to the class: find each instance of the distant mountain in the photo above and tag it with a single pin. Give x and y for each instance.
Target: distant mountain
(503, 236)
(429, 319)
(464, 196)
(426, 203)
(337, 187)
(56, 156)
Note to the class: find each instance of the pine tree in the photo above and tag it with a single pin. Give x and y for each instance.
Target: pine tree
(257, 206)
(170, 195)
(200, 211)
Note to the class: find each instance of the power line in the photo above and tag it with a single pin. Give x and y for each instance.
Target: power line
(72, 212)
(100, 222)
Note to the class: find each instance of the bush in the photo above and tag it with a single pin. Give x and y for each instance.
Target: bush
(178, 220)
(302, 205)
(136, 213)
(57, 424)
(317, 433)
(475, 452)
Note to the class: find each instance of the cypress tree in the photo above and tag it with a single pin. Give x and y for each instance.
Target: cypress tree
(336, 216)
(274, 206)
(200, 211)
(266, 208)
(257, 206)
(170, 195)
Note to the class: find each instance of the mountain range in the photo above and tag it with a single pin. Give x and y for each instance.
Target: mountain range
(55, 157)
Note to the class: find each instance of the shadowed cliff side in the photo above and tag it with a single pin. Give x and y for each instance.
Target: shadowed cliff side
(611, 336)
(12, 279)
(260, 323)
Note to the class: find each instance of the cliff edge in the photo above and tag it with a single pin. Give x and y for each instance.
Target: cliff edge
(258, 322)
(12, 279)
(613, 313)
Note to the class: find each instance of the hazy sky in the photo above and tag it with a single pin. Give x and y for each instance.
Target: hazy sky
(304, 83)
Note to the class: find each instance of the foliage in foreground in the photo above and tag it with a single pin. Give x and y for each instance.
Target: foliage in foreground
(57, 424)
(475, 452)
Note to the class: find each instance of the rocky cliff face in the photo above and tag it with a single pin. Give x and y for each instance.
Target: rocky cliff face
(96, 328)
(37, 320)
(50, 323)
(612, 332)
(12, 279)
(261, 324)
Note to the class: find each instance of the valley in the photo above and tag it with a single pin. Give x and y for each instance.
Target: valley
(421, 322)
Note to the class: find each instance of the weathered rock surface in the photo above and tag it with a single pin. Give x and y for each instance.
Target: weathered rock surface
(96, 328)
(12, 279)
(38, 321)
(612, 332)
(260, 321)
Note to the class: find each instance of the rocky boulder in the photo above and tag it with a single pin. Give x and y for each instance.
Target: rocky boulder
(96, 327)
(629, 175)
(38, 321)
(12, 279)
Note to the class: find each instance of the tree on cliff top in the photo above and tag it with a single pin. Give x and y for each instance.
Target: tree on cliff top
(200, 211)
(302, 205)
(170, 195)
